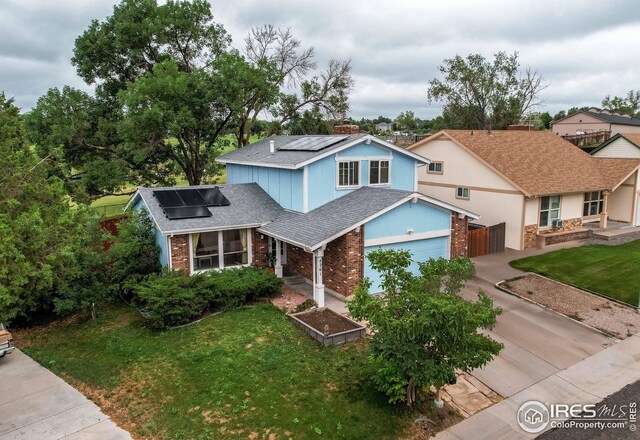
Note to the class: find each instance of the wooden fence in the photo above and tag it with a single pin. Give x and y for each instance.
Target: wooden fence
(483, 240)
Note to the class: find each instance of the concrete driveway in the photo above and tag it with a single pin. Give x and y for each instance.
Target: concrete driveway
(37, 404)
(538, 342)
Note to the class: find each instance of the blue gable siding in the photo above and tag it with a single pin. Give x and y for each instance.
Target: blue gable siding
(284, 186)
(322, 174)
(417, 216)
(161, 240)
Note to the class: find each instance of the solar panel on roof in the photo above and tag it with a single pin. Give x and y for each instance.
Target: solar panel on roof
(187, 212)
(214, 197)
(312, 143)
(168, 198)
(191, 197)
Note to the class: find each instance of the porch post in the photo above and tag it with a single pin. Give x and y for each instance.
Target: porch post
(318, 287)
(604, 214)
(278, 266)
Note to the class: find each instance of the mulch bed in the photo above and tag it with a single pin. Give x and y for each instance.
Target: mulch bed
(593, 310)
(319, 318)
(288, 299)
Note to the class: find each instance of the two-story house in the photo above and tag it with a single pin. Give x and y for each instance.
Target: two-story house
(311, 205)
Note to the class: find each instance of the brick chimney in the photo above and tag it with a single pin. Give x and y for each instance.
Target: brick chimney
(346, 129)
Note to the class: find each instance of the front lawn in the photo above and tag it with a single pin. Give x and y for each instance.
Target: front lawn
(610, 270)
(246, 373)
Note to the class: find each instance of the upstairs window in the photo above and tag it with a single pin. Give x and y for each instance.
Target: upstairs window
(378, 172)
(462, 192)
(593, 202)
(435, 168)
(549, 210)
(348, 174)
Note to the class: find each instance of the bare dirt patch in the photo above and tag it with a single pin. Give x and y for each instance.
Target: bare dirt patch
(288, 299)
(596, 311)
(318, 319)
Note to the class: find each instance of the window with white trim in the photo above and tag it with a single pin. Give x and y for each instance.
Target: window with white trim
(378, 172)
(435, 167)
(593, 203)
(462, 192)
(549, 210)
(219, 249)
(349, 173)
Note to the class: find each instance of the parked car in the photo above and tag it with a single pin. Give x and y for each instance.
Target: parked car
(6, 341)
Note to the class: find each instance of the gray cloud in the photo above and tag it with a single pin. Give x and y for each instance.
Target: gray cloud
(585, 50)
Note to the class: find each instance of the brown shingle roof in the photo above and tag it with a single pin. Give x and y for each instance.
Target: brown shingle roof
(538, 162)
(615, 170)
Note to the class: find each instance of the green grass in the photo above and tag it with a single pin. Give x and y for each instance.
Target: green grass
(241, 372)
(609, 270)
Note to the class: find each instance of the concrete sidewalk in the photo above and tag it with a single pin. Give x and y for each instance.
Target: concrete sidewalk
(588, 381)
(37, 404)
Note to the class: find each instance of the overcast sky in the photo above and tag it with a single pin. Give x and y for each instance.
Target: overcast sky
(584, 49)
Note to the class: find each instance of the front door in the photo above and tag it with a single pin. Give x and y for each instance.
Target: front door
(283, 249)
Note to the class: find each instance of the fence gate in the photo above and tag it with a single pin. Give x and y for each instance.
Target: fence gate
(483, 240)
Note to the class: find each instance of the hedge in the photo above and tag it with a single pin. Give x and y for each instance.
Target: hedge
(172, 299)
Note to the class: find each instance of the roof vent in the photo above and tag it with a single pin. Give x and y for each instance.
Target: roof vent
(272, 146)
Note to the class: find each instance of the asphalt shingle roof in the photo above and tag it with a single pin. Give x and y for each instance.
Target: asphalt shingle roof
(540, 162)
(326, 221)
(259, 152)
(615, 119)
(248, 205)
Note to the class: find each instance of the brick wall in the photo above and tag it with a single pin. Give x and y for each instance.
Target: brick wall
(180, 258)
(344, 262)
(346, 129)
(260, 243)
(300, 261)
(459, 242)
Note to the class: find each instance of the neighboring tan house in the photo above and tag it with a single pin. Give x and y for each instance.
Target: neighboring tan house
(311, 205)
(593, 121)
(541, 186)
(622, 146)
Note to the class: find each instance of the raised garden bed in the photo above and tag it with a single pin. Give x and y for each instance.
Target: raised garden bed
(328, 327)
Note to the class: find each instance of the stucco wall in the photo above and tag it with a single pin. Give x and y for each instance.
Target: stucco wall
(619, 148)
(490, 195)
(579, 122)
(615, 128)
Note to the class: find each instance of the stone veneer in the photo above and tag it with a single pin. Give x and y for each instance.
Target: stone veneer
(459, 236)
(180, 259)
(531, 233)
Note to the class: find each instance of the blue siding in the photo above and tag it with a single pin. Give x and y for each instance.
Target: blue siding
(421, 250)
(161, 240)
(417, 216)
(322, 174)
(284, 186)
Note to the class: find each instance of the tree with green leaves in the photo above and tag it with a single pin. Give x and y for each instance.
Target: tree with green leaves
(422, 329)
(168, 87)
(482, 94)
(41, 236)
(627, 105)
(406, 121)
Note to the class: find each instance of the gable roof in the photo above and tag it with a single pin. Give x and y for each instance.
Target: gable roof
(613, 119)
(249, 206)
(537, 162)
(259, 153)
(632, 138)
(331, 220)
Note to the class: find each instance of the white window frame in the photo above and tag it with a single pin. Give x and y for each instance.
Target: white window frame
(283, 249)
(549, 210)
(359, 162)
(388, 183)
(221, 251)
(463, 197)
(435, 162)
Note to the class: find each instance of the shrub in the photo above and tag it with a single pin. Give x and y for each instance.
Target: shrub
(305, 306)
(171, 298)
